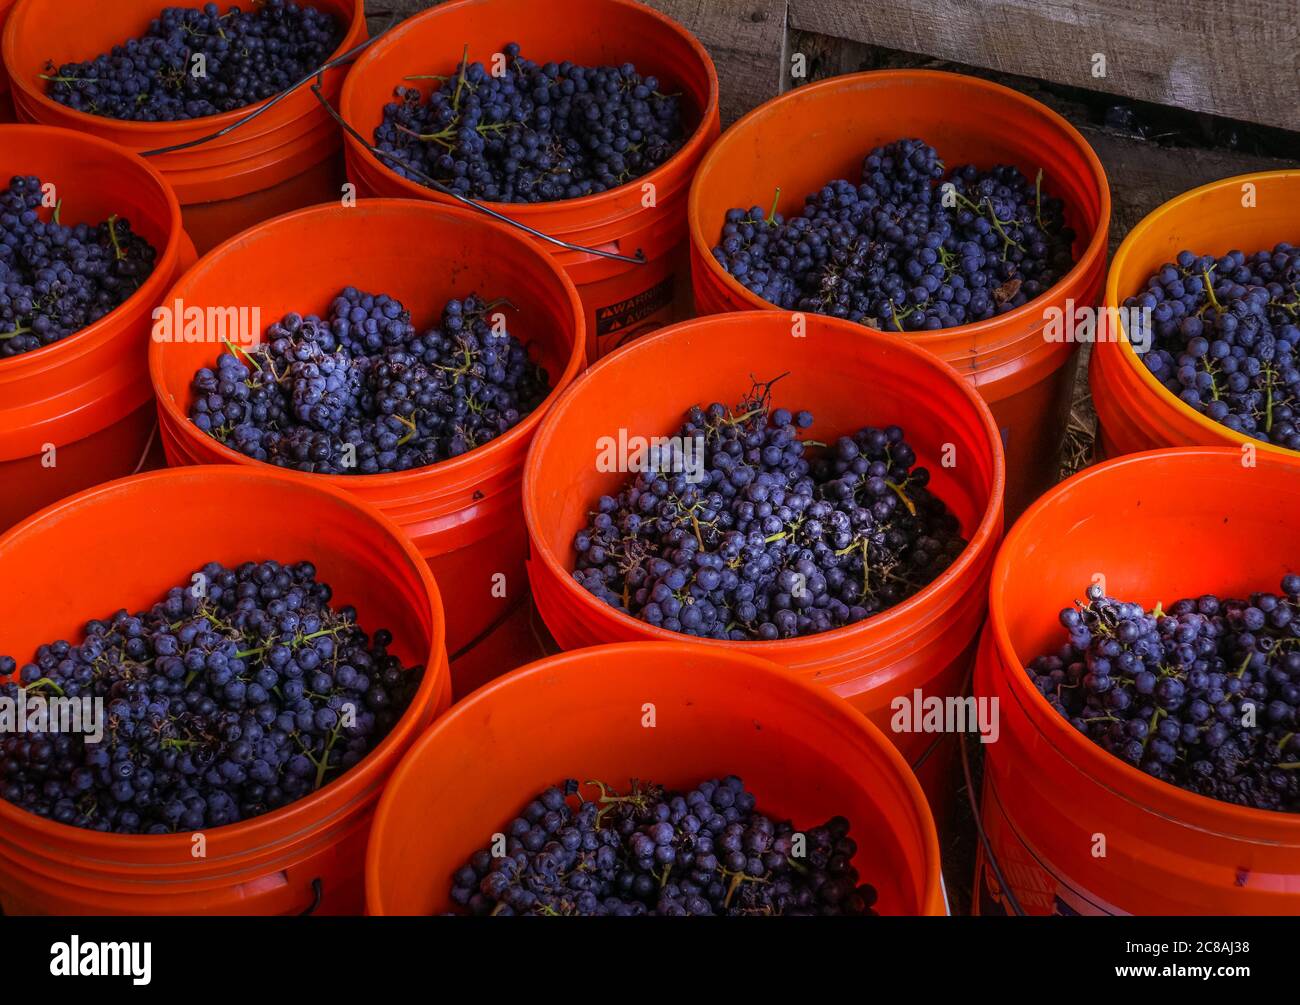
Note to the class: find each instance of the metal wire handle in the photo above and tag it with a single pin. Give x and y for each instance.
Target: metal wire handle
(318, 75)
(989, 856)
(433, 183)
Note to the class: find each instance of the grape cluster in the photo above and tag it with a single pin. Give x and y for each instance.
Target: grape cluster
(361, 392)
(1205, 695)
(197, 62)
(536, 133)
(1226, 338)
(240, 692)
(763, 542)
(56, 280)
(652, 851)
(901, 252)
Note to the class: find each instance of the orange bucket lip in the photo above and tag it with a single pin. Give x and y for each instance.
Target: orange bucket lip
(1096, 247)
(289, 823)
(932, 901)
(1097, 763)
(895, 618)
(5, 6)
(464, 465)
(9, 48)
(691, 149)
(1203, 428)
(49, 358)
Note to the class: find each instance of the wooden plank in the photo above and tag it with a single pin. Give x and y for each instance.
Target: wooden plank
(1237, 60)
(380, 12)
(1143, 174)
(746, 39)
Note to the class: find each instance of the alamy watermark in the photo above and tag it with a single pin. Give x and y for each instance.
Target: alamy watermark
(627, 454)
(37, 712)
(1075, 323)
(178, 322)
(75, 958)
(918, 713)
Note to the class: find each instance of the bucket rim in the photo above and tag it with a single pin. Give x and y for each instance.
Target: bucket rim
(290, 822)
(49, 357)
(931, 882)
(1154, 222)
(695, 147)
(464, 465)
(1094, 250)
(892, 621)
(1124, 780)
(150, 132)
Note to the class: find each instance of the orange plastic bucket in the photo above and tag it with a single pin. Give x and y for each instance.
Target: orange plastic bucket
(804, 755)
(130, 541)
(1073, 828)
(6, 104)
(849, 377)
(813, 134)
(1134, 410)
(284, 159)
(648, 214)
(463, 514)
(78, 412)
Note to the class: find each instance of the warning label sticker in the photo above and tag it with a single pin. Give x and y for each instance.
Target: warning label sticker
(623, 315)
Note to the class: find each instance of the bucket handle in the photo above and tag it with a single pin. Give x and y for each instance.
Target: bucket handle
(989, 856)
(637, 259)
(317, 890)
(317, 75)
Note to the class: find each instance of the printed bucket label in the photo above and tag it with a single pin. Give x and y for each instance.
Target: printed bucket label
(620, 323)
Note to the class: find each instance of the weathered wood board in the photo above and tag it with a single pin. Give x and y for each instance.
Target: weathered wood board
(747, 40)
(1240, 60)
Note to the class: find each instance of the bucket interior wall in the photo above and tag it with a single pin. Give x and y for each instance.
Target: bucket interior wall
(78, 412)
(113, 573)
(849, 379)
(377, 249)
(464, 514)
(795, 144)
(122, 545)
(650, 407)
(647, 215)
(1149, 528)
(580, 715)
(1152, 539)
(228, 176)
(89, 183)
(544, 32)
(803, 141)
